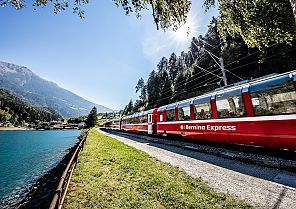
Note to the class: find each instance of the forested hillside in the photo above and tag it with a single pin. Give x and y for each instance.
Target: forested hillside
(16, 112)
(23, 83)
(197, 70)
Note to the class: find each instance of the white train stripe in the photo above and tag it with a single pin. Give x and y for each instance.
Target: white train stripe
(243, 119)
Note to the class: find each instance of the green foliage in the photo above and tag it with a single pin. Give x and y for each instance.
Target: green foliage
(128, 108)
(140, 84)
(4, 116)
(77, 120)
(165, 89)
(260, 23)
(153, 90)
(110, 174)
(92, 118)
(193, 73)
(58, 5)
(166, 13)
(17, 112)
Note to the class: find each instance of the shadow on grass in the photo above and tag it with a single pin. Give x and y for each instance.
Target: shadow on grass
(274, 175)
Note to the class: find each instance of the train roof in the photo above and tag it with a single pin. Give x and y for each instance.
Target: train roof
(236, 88)
(137, 114)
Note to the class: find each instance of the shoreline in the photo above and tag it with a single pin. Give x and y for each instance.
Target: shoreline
(14, 129)
(41, 193)
(32, 129)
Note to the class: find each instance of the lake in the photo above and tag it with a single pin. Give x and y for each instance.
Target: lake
(25, 156)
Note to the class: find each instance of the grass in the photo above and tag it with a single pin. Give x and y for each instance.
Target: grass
(111, 174)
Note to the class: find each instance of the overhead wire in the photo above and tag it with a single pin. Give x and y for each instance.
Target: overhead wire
(184, 81)
(211, 54)
(264, 58)
(247, 56)
(215, 79)
(195, 87)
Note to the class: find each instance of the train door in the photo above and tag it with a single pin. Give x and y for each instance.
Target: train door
(150, 124)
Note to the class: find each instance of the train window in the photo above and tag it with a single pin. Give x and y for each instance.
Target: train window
(202, 111)
(170, 115)
(275, 100)
(230, 106)
(184, 113)
(144, 119)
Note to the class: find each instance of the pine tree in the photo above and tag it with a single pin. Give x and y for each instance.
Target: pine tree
(91, 120)
(152, 90)
(165, 90)
(129, 108)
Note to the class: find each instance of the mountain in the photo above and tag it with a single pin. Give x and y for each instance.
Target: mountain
(23, 83)
(17, 112)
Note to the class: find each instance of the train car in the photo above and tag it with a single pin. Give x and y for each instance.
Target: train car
(142, 122)
(114, 124)
(257, 113)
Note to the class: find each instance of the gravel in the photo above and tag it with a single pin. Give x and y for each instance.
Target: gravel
(280, 159)
(261, 186)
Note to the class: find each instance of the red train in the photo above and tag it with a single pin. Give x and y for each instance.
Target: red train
(257, 113)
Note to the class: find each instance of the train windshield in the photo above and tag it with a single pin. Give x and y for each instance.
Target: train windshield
(274, 98)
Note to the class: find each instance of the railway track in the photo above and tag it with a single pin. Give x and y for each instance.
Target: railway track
(279, 159)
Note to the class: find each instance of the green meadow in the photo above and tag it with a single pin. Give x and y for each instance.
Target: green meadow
(110, 174)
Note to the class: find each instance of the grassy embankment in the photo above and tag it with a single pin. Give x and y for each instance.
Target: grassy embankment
(110, 174)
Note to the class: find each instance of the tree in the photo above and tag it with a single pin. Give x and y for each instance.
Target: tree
(173, 67)
(165, 89)
(137, 106)
(91, 119)
(179, 87)
(259, 22)
(152, 90)
(16, 111)
(4, 116)
(166, 13)
(140, 84)
(129, 108)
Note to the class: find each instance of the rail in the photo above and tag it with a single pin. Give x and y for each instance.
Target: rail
(61, 191)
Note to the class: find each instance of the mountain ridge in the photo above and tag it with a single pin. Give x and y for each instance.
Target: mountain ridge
(24, 83)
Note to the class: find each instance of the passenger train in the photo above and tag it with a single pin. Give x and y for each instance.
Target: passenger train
(256, 113)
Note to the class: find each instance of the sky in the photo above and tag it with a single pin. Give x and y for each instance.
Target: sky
(100, 57)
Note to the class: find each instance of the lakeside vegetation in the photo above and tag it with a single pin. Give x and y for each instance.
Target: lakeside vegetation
(110, 174)
(18, 113)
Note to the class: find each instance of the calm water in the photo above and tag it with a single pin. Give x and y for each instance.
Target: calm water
(27, 155)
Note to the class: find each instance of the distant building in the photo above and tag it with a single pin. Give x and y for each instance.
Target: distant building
(81, 125)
